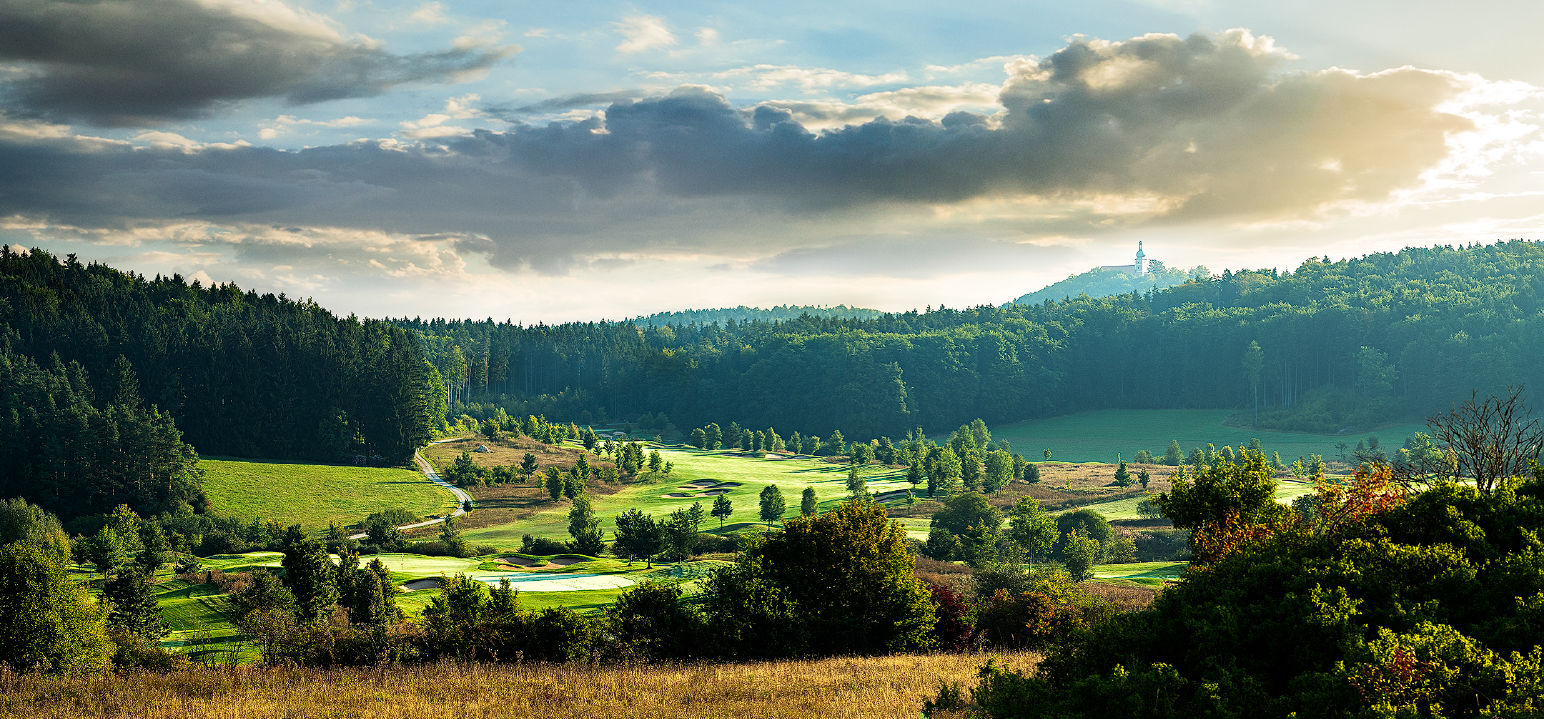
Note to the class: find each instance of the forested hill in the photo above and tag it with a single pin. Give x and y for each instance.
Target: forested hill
(1340, 345)
(1102, 282)
(238, 373)
(742, 313)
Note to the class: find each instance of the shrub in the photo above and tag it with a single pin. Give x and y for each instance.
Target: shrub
(542, 547)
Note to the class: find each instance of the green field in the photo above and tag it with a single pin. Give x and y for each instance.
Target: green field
(1151, 573)
(312, 495)
(1097, 436)
(791, 475)
(1286, 491)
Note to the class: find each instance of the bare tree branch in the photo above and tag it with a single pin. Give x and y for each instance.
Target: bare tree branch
(1494, 439)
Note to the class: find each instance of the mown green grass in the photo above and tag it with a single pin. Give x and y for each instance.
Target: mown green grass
(196, 623)
(1286, 491)
(1097, 436)
(790, 475)
(312, 495)
(1154, 571)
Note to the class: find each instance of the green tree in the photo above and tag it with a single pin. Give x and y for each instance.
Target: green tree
(450, 535)
(47, 621)
(699, 438)
(105, 550)
(714, 436)
(722, 508)
(637, 536)
(555, 483)
(855, 481)
(656, 462)
(680, 536)
(1221, 493)
(382, 532)
(974, 521)
(1080, 554)
(1122, 476)
(21, 521)
(914, 472)
(808, 504)
(999, 471)
(528, 464)
(1174, 456)
(836, 444)
(132, 605)
(1031, 528)
(585, 528)
(944, 472)
(839, 583)
(309, 574)
(1254, 362)
(772, 504)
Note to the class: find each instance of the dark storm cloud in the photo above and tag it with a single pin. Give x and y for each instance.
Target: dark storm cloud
(136, 62)
(1183, 127)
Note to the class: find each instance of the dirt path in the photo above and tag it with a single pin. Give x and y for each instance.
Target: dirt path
(462, 498)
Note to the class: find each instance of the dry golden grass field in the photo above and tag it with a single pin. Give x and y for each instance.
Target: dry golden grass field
(891, 686)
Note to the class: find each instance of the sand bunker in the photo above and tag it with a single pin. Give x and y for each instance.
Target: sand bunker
(557, 582)
(676, 495)
(713, 492)
(699, 484)
(727, 484)
(417, 584)
(567, 560)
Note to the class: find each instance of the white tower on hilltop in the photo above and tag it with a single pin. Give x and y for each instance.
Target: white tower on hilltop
(1141, 264)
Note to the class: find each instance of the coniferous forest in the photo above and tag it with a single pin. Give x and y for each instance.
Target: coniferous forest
(103, 373)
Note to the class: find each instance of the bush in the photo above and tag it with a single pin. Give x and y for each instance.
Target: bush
(1049, 612)
(717, 544)
(1163, 545)
(839, 583)
(134, 652)
(954, 631)
(543, 547)
(650, 621)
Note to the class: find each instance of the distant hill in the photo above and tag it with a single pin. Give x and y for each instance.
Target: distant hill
(1106, 282)
(780, 313)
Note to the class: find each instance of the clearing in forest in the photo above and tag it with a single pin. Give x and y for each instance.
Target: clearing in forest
(1097, 436)
(312, 495)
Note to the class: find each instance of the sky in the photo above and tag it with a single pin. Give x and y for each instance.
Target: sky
(560, 161)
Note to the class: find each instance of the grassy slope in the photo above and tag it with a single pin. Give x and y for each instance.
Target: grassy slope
(311, 495)
(790, 475)
(1097, 436)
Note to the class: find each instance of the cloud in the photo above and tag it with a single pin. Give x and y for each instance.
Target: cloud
(1095, 137)
(643, 32)
(138, 62)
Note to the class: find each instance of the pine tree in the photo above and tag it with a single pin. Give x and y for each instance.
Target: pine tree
(807, 503)
(133, 606)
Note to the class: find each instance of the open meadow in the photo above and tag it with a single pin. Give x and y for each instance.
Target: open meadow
(858, 687)
(1097, 436)
(312, 495)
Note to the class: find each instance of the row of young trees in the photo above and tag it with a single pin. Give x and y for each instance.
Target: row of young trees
(1328, 345)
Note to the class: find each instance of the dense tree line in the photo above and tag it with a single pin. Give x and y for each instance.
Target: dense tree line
(73, 453)
(747, 314)
(235, 372)
(1328, 345)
